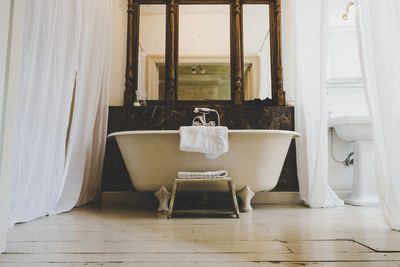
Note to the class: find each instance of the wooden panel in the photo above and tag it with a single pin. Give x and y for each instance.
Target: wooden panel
(272, 235)
(278, 94)
(381, 245)
(171, 51)
(207, 2)
(334, 246)
(281, 97)
(131, 73)
(265, 259)
(237, 94)
(261, 2)
(272, 23)
(147, 247)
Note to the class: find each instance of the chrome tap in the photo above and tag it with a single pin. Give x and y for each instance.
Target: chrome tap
(201, 120)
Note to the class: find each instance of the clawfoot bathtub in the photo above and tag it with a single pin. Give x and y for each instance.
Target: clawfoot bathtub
(254, 161)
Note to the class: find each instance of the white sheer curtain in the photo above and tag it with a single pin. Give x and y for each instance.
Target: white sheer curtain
(61, 129)
(304, 62)
(379, 36)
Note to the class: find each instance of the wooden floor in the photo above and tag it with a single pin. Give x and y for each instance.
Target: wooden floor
(271, 235)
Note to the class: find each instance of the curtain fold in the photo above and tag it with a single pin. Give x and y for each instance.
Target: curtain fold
(379, 39)
(304, 59)
(86, 144)
(55, 152)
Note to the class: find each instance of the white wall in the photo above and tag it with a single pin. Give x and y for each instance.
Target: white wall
(345, 93)
(118, 52)
(10, 11)
(347, 102)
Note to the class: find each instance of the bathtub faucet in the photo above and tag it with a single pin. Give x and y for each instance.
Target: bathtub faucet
(201, 120)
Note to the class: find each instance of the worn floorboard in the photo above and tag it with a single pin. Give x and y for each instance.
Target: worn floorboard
(272, 235)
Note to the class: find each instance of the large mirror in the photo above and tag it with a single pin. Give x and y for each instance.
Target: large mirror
(151, 56)
(204, 52)
(256, 50)
(225, 51)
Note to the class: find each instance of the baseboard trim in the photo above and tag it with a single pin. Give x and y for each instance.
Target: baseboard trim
(148, 199)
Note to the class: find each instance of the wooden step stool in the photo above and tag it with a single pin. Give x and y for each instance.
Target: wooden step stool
(227, 180)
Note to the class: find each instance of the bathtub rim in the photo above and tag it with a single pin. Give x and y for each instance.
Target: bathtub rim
(258, 131)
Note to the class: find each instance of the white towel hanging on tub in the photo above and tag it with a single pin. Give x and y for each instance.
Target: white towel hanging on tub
(210, 140)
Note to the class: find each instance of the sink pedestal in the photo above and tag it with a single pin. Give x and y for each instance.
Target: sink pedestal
(364, 186)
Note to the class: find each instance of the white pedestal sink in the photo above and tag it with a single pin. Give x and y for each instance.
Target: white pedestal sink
(357, 130)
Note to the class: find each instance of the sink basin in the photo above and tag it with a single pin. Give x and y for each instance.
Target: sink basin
(352, 128)
(357, 130)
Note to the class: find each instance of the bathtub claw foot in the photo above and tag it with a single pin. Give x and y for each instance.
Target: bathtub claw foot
(246, 194)
(163, 196)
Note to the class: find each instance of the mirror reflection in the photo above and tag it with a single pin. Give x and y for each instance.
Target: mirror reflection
(151, 51)
(204, 52)
(256, 50)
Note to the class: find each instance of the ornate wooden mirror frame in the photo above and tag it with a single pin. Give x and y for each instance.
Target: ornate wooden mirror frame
(171, 51)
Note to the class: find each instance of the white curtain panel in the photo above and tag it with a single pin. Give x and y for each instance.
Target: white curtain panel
(61, 129)
(304, 64)
(379, 39)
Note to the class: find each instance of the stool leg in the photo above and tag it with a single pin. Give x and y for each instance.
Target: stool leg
(171, 203)
(233, 192)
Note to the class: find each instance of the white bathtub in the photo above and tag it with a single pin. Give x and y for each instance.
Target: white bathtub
(255, 158)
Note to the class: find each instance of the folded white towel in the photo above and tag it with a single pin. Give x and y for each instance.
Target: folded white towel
(194, 175)
(212, 140)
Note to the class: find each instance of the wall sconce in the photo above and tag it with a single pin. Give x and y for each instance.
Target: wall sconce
(198, 67)
(194, 67)
(346, 15)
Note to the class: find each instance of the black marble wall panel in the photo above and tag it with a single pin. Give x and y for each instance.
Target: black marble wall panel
(161, 117)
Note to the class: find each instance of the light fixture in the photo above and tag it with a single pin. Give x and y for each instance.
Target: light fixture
(194, 67)
(346, 15)
(198, 67)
